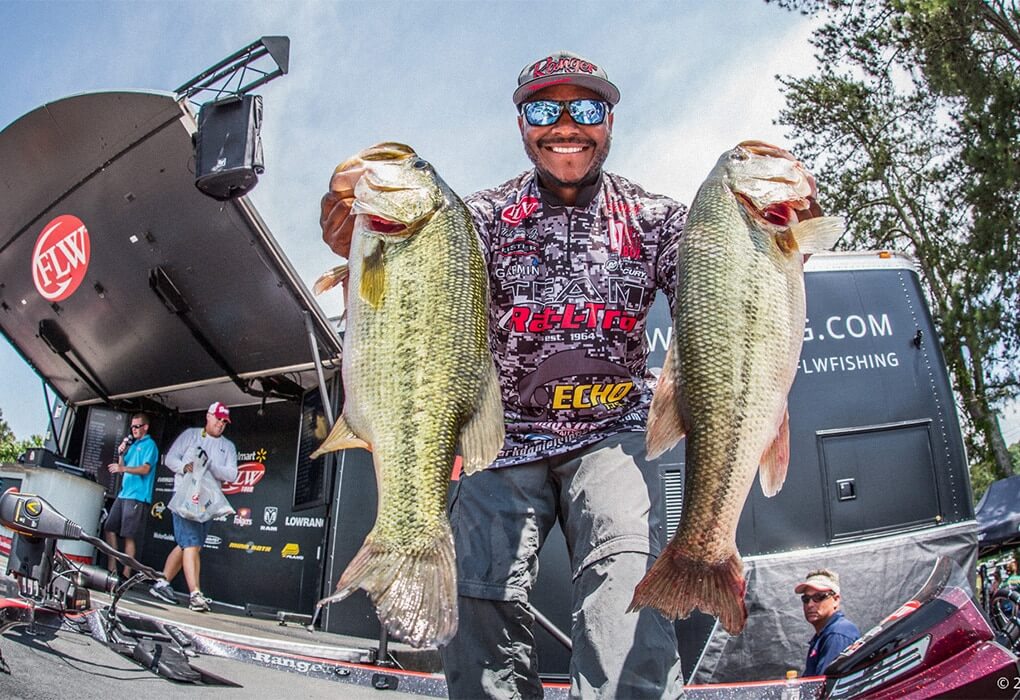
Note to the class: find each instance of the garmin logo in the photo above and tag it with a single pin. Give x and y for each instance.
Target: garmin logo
(296, 521)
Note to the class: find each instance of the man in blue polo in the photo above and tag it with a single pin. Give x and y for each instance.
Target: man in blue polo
(137, 458)
(819, 594)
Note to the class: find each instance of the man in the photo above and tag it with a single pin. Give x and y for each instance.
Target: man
(819, 594)
(137, 458)
(192, 448)
(575, 256)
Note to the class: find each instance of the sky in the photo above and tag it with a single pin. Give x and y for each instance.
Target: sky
(695, 77)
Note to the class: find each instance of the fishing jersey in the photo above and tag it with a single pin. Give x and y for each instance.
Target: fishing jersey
(570, 290)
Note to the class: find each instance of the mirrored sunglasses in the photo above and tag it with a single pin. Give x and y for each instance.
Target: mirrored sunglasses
(816, 597)
(585, 112)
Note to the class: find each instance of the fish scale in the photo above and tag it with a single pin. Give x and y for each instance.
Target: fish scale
(419, 382)
(738, 326)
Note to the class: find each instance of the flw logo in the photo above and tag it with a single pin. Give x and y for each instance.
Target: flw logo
(248, 474)
(61, 258)
(514, 214)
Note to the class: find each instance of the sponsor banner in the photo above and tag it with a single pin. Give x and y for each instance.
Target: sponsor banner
(248, 552)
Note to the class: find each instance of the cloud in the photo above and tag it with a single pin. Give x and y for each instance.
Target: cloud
(736, 101)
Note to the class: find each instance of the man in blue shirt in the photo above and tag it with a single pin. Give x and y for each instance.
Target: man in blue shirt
(137, 457)
(819, 594)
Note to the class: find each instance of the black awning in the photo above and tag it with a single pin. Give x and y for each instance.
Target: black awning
(172, 291)
(998, 515)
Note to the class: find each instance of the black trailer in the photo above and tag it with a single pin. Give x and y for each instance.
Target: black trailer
(877, 487)
(179, 300)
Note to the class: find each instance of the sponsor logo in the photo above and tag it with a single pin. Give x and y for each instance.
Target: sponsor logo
(292, 551)
(248, 475)
(514, 214)
(168, 536)
(631, 268)
(242, 517)
(299, 665)
(213, 541)
(300, 521)
(622, 241)
(572, 380)
(250, 547)
(269, 514)
(157, 510)
(565, 64)
(581, 396)
(61, 257)
(568, 317)
(253, 456)
(527, 269)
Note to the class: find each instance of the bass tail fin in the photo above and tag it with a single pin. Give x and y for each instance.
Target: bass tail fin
(676, 584)
(414, 594)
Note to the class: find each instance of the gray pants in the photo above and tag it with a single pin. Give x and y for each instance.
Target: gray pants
(607, 498)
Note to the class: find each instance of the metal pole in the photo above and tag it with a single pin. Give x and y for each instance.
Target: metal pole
(552, 629)
(326, 407)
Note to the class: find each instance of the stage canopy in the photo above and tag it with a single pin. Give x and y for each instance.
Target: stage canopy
(121, 282)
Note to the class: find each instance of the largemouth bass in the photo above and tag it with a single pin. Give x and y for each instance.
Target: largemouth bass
(419, 381)
(738, 326)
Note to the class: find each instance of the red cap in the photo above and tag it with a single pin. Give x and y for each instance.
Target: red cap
(218, 410)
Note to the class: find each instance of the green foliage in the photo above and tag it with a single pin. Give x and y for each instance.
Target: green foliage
(10, 447)
(911, 123)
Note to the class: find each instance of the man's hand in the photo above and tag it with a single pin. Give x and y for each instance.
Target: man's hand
(335, 217)
(337, 224)
(113, 468)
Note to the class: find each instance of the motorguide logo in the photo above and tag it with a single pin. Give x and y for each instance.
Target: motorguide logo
(61, 258)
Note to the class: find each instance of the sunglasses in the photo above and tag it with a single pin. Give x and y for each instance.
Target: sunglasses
(585, 112)
(139, 426)
(816, 597)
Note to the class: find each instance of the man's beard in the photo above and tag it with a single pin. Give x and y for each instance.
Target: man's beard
(550, 180)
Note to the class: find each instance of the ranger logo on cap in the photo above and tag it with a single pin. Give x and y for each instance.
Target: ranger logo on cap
(564, 68)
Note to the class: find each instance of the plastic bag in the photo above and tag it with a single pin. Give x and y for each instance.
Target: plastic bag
(199, 497)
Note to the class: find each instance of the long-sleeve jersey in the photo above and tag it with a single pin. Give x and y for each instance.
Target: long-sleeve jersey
(221, 455)
(570, 291)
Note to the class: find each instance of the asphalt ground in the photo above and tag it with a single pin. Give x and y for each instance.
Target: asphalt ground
(69, 665)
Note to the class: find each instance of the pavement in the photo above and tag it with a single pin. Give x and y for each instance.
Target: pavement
(240, 656)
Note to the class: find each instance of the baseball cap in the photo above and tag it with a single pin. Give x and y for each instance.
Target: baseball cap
(823, 580)
(218, 410)
(564, 68)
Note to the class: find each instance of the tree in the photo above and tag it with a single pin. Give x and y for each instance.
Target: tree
(10, 447)
(912, 126)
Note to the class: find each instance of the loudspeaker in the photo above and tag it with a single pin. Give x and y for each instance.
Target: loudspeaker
(228, 147)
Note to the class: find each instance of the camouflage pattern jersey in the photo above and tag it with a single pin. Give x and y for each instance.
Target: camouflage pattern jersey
(571, 288)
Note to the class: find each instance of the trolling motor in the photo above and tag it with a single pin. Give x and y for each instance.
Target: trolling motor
(52, 582)
(43, 574)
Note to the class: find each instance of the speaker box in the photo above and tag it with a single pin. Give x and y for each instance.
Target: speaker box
(228, 147)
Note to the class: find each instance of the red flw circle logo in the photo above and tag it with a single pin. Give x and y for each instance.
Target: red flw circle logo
(61, 257)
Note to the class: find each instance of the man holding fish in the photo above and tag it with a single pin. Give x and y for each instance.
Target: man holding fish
(574, 257)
